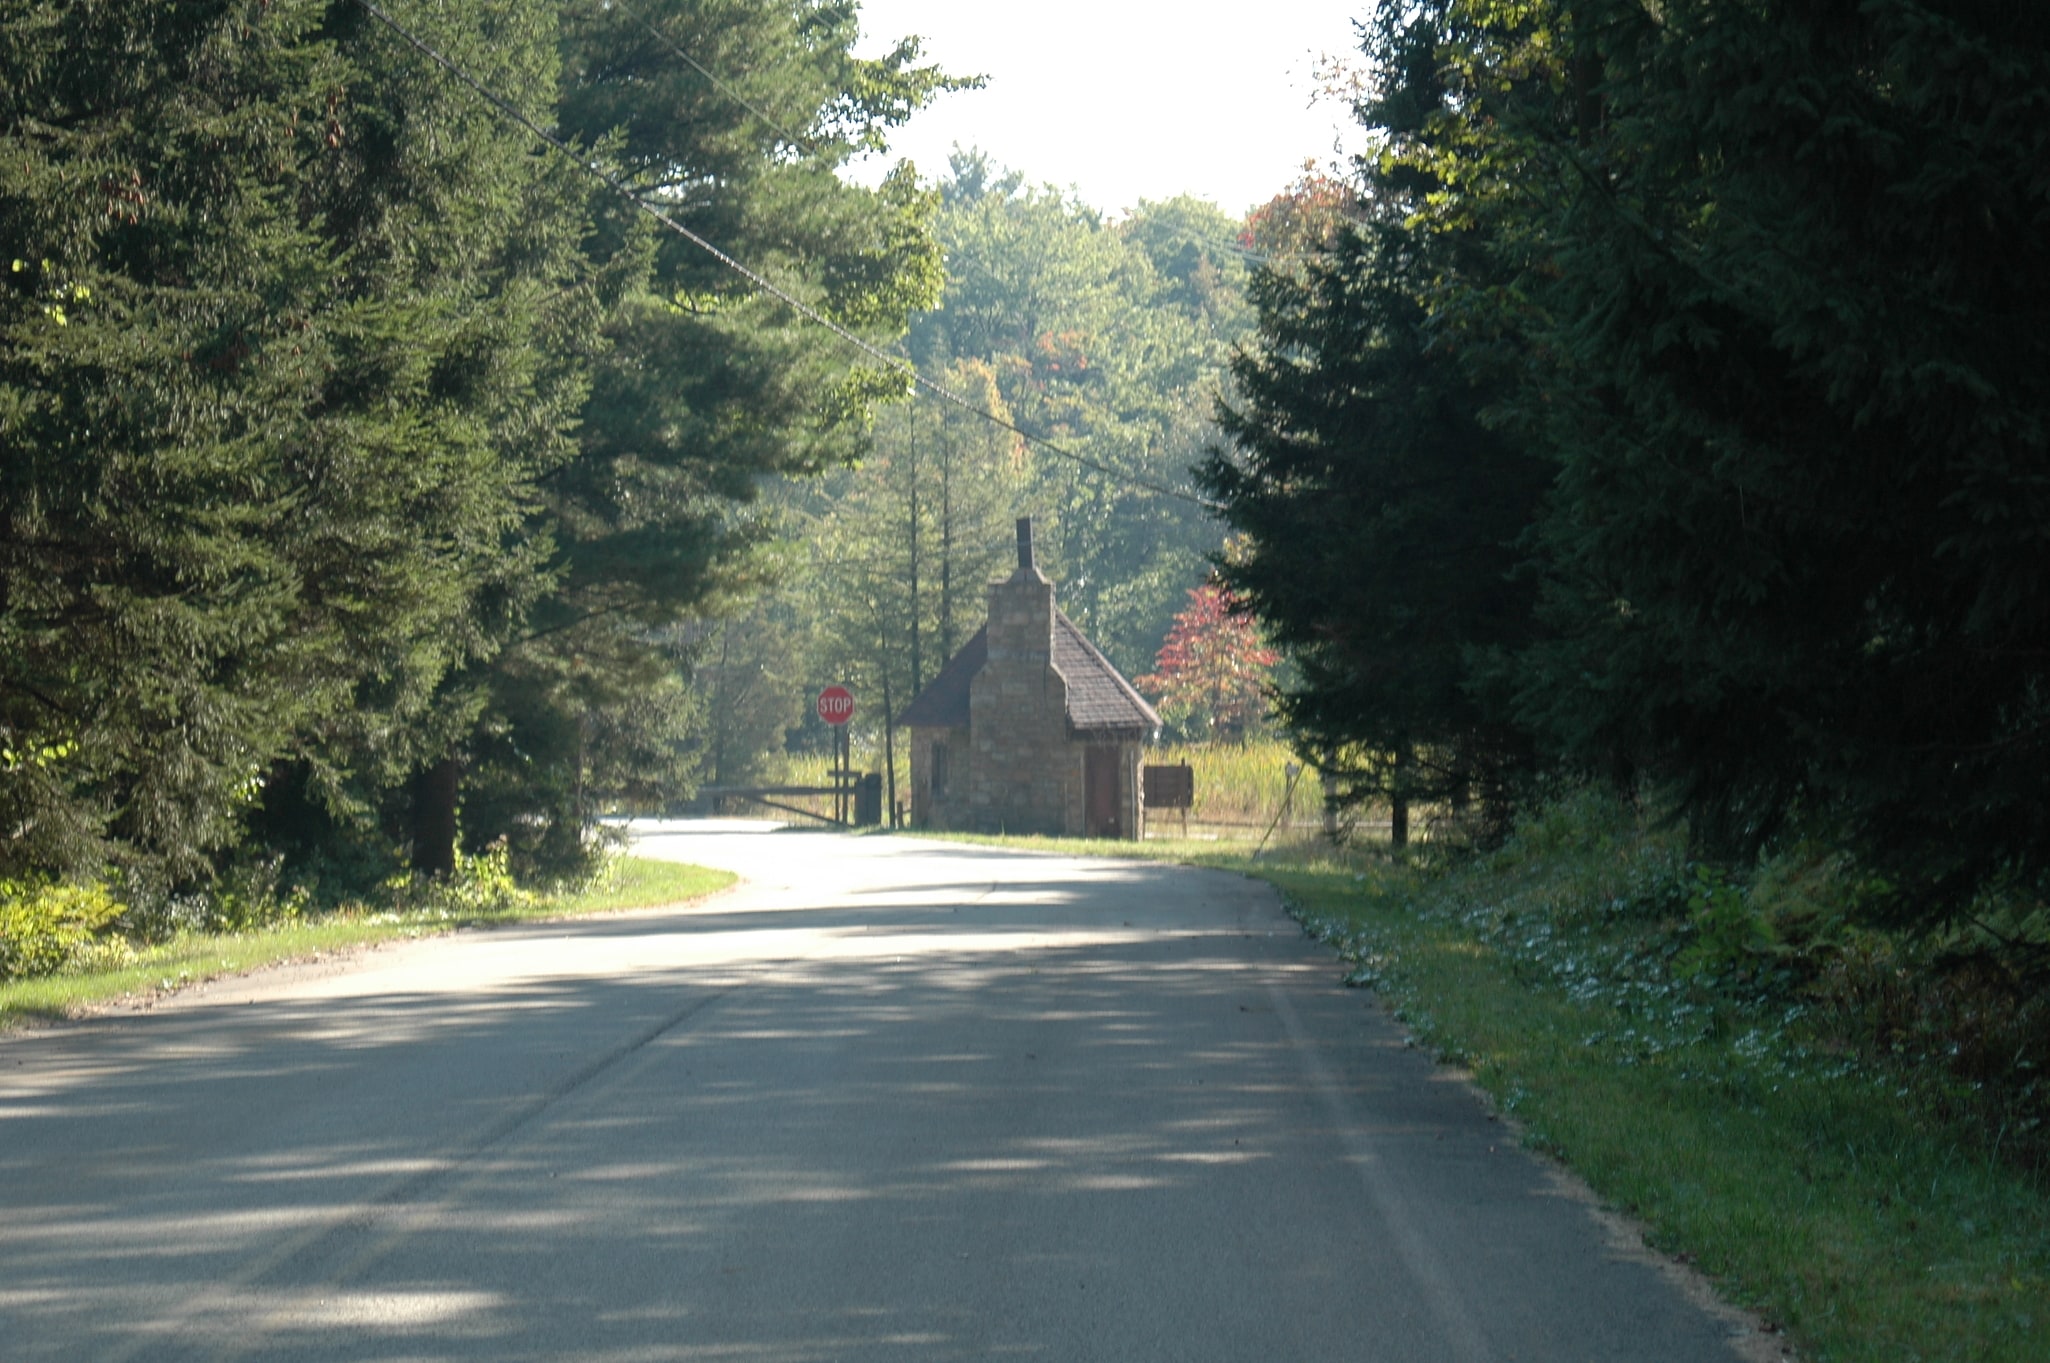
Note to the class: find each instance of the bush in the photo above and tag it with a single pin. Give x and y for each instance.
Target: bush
(481, 885)
(247, 896)
(1965, 1004)
(43, 925)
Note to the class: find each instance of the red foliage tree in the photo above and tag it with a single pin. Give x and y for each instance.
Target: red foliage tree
(1211, 674)
(1302, 220)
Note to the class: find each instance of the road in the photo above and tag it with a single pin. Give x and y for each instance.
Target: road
(891, 1099)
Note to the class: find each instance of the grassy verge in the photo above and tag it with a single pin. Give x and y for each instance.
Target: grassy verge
(634, 882)
(1838, 1197)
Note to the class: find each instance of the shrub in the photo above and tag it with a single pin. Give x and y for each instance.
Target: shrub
(43, 925)
(1964, 1004)
(1603, 902)
(481, 884)
(247, 896)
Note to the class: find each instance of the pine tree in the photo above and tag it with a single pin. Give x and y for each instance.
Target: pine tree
(1776, 264)
(290, 333)
(1381, 518)
(1750, 283)
(703, 385)
(464, 359)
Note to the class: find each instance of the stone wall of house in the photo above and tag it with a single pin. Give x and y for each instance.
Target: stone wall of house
(1024, 776)
(939, 778)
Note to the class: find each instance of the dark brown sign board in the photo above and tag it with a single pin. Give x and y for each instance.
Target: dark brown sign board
(1170, 787)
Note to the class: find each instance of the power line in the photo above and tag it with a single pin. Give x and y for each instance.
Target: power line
(774, 125)
(805, 310)
(782, 130)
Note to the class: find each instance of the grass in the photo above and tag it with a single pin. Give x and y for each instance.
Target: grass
(1813, 1189)
(1837, 1197)
(633, 882)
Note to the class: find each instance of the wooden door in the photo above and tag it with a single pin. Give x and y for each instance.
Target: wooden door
(1100, 794)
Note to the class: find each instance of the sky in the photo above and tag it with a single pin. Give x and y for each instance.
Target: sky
(1123, 100)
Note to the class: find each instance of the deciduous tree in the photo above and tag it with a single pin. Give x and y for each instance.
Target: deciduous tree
(1213, 672)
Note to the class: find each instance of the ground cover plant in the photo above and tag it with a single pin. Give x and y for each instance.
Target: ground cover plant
(199, 940)
(1801, 1107)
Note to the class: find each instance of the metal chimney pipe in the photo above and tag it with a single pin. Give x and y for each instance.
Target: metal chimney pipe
(1025, 543)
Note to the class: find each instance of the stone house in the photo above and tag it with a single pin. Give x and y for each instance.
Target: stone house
(1028, 729)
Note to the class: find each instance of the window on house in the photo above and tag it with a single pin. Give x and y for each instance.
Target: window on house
(939, 770)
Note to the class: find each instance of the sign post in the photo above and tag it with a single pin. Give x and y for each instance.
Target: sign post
(836, 707)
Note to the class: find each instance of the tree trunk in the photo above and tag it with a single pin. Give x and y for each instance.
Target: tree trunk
(1398, 799)
(720, 704)
(917, 661)
(1328, 783)
(434, 817)
(889, 750)
(946, 545)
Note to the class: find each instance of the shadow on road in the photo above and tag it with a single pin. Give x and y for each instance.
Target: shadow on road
(1059, 1117)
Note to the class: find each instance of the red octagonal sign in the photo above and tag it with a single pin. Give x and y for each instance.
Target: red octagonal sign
(836, 705)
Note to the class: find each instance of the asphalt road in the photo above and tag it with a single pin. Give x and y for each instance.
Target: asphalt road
(891, 1100)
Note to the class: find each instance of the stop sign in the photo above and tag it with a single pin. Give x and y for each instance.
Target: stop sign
(836, 705)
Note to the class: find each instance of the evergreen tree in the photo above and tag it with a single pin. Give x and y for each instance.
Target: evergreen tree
(271, 400)
(150, 638)
(704, 385)
(1751, 281)
(1776, 262)
(359, 448)
(476, 322)
(1381, 521)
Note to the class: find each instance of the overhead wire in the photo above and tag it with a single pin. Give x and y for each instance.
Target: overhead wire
(774, 124)
(894, 364)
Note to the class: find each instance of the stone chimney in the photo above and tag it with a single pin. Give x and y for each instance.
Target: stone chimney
(1021, 766)
(1021, 610)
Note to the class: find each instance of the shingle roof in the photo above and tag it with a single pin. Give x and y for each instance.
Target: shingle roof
(943, 704)
(1100, 701)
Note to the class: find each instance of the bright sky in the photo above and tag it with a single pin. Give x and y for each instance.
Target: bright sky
(1123, 100)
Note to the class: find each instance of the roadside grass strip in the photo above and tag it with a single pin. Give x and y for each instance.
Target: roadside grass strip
(194, 957)
(1815, 1191)
(1828, 1194)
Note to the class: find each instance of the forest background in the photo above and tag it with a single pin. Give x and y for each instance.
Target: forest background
(384, 486)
